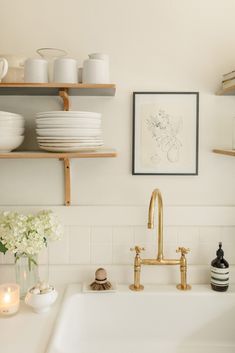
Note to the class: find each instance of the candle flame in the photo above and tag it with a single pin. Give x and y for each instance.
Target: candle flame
(7, 298)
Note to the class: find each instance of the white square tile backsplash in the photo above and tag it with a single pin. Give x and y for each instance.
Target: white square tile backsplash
(79, 245)
(88, 242)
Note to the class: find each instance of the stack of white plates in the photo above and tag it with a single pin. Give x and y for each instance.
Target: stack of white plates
(11, 131)
(62, 131)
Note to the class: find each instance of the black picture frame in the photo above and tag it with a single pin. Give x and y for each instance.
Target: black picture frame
(154, 133)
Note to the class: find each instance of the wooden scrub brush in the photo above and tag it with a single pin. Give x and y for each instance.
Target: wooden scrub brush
(101, 282)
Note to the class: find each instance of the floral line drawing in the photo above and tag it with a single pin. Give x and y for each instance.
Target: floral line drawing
(164, 130)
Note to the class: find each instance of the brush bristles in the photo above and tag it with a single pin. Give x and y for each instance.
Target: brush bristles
(101, 286)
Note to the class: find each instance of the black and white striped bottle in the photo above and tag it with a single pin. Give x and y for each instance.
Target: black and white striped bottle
(219, 271)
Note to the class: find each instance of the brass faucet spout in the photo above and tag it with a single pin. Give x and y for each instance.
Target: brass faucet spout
(156, 194)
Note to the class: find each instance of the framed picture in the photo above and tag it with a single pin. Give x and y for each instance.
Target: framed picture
(165, 133)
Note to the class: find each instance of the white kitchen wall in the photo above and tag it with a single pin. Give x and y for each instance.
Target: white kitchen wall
(154, 45)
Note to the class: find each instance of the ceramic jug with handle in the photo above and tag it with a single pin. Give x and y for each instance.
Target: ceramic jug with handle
(3, 68)
(15, 71)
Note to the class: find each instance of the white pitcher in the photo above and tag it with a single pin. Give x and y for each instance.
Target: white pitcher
(3, 68)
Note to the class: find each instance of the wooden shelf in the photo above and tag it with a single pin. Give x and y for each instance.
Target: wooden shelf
(53, 89)
(65, 157)
(226, 152)
(230, 91)
(102, 153)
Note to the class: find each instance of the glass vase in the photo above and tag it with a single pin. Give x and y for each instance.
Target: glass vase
(27, 275)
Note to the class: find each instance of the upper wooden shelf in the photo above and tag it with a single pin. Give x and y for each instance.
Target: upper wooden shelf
(226, 152)
(53, 89)
(230, 91)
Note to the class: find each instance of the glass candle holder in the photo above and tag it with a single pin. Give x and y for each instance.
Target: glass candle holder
(9, 298)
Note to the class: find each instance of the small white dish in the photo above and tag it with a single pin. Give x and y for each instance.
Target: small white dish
(70, 139)
(67, 121)
(69, 149)
(70, 113)
(69, 132)
(68, 126)
(69, 144)
(87, 289)
(41, 303)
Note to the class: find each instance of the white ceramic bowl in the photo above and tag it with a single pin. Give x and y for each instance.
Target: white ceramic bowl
(11, 131)
(41, 303)
(11, 123)
(9, 143)
(8, 115)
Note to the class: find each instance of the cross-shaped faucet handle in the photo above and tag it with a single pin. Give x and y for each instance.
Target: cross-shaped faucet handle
(183, 250)
(137, 249)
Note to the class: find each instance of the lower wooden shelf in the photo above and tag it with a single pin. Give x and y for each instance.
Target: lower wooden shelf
(226, 152)
(101, 153)
(65, 157)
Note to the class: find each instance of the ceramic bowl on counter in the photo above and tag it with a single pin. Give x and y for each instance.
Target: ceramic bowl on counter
(41, 299)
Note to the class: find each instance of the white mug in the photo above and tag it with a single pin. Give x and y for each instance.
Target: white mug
(65, 70)
(36, 70)
(3, 68)
(95, 71)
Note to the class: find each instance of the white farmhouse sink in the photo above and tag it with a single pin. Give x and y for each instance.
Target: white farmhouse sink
(160, 319)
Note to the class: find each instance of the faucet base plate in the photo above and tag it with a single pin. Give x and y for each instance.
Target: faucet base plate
(181, 287)
(136, 289)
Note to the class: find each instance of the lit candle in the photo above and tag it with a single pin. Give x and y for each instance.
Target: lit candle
(9, 298)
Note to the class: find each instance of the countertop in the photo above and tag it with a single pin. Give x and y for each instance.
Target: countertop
(28, 332)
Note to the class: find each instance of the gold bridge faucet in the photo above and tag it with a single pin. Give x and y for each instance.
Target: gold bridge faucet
(160, 260)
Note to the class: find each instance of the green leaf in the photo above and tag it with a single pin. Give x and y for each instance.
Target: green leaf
(3, 248)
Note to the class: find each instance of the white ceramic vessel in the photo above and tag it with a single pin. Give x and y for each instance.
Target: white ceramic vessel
(41, 303)
(36, 70)
(95, 71)
(65, 70)
(11, 131)
(160, 319)
(9, 143)
(11, 123)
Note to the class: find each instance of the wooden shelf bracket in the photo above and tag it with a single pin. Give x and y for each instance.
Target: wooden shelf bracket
(64, 94)
(67, 183)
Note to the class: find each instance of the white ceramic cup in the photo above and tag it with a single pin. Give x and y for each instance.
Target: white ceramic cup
(65, 70)
(36, 70)
(3, 68)
(95, 71)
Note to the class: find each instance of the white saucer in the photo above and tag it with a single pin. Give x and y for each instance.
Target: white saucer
(70, 149)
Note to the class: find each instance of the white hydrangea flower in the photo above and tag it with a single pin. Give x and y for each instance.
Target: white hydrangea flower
(28, 235)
